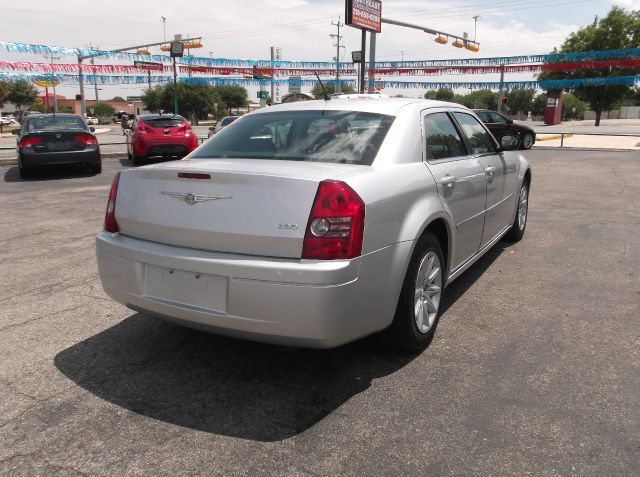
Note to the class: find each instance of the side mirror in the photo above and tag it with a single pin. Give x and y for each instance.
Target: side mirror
(15, 132)
(509, 143)
(509, 121)
(212, 128)
(92, 129)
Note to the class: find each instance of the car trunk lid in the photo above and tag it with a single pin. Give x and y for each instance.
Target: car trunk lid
(245, 206)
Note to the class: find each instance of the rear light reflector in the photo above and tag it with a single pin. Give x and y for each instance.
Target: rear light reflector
(336, 223)
(86, 138)
(28, 141)
(193, 175)
(110, 224)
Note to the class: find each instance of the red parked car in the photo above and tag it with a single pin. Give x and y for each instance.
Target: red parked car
(159, 135)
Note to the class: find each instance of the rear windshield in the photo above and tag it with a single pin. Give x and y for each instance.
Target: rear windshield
(54, 123)
(345, 137)
(164, 122)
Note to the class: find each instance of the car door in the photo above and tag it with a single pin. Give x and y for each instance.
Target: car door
(461, 182)
(499, 207)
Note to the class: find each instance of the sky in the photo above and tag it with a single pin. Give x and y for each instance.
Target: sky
(246, 29)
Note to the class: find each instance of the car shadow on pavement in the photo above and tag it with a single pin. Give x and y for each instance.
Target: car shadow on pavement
(49, 174)
(226, 386)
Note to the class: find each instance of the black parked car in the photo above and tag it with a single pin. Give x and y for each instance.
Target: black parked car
(52, 139)
(500, 125)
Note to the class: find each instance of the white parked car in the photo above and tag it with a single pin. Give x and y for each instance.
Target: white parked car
(315, 223)
(92, 120)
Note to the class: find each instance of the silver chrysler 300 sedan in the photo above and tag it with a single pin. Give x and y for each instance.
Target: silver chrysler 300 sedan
(315, 223)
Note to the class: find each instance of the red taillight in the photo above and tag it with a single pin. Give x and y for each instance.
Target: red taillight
(28, 141)
(86, 139)
(336, 224)
(110, 224)
(142, 128)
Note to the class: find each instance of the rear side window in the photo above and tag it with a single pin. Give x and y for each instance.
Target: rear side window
(497, 118)
(484, 116)
(479, 139)
(442, 138)
(346, 137)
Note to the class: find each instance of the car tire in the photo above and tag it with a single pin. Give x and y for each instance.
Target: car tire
(419, 305)
(526, 141)
(137, 160)
(519, 225)
(24, 171)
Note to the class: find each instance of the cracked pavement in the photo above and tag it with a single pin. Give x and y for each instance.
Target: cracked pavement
(534, 368)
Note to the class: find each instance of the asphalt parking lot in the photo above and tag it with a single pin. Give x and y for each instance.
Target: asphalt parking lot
(535, 367)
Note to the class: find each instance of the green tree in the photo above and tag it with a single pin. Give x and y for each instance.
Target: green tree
(118, 98)
(152, 98)
(520, 100)
(431, 94)
(572, 107)
(619, 29)
(233, 95)
(539, 105)
(4, 92)
(317, 93)
(21, 94)
(481, 99)
(103, 110)
(444, 94)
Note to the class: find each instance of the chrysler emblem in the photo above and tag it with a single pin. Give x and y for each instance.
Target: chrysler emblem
(192, 198)
(58, 135)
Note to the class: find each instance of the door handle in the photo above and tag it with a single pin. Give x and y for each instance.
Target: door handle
(490, 170)
(448, 181)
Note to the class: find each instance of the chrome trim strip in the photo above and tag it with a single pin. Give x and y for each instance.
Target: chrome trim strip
(471, 218)
(498, 203)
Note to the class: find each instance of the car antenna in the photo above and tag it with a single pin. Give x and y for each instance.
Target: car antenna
(324, 90)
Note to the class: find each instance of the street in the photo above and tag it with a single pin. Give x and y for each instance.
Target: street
(533, 370)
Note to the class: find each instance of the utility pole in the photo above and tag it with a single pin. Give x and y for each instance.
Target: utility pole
(475, 26)
(164, 27)
(52, 58)
(338, 39)
(94, 73)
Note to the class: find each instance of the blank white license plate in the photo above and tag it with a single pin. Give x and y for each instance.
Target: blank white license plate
(187, 288)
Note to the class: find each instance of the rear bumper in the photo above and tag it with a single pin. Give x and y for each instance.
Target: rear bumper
(161, 146)
(316, 304)
(32, 159)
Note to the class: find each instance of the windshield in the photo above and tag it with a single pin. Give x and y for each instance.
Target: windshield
(345, 137)
(54, 123)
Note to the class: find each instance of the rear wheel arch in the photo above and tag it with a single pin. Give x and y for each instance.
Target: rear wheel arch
(440, 228)
(527, 177)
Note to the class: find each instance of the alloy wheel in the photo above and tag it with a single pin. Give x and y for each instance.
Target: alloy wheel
(427, 292)
(523, 207)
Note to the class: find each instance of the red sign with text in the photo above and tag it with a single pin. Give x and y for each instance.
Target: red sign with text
(365, 14)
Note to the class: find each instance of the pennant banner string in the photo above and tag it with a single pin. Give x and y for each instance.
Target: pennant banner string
(230, 62)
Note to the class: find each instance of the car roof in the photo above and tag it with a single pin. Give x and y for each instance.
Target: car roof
(51, 115)
(363, 103)
(156, 116)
